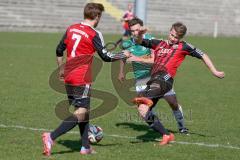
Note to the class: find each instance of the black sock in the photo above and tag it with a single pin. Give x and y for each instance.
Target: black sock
(64, 127)
(83, 127)
(154, 122)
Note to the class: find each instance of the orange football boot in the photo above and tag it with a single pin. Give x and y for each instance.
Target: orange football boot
(142, 100)
(167, 138)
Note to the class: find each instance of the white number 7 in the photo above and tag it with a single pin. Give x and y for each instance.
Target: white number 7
(78, 38)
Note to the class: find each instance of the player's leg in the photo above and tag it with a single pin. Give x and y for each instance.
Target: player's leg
(153, 121)
(82, 108)
(157, 86)
(171, 99)
(141, 89)
(145, 111)
(75, 96)
(65, 126)
(72, 120)
(83, 117)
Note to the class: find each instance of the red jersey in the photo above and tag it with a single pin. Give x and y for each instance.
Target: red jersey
(128, 15)
(168, 58)
(81, 41)
(80, 50)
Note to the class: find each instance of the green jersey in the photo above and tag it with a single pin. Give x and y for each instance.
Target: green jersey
(140, 70)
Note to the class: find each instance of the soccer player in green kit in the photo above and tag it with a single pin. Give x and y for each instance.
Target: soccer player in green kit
(142, 72)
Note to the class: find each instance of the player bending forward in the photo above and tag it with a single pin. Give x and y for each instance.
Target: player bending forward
(168, 56)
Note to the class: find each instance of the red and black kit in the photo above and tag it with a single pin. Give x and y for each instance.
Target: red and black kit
(167, 59)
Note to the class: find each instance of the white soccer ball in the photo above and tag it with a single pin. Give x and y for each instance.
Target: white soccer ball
(95, 134)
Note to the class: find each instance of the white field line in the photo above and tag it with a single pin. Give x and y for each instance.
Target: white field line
(125, 137)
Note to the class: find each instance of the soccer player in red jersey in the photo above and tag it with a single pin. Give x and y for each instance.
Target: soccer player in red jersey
(80, 41)
(128, 15)
(168, 56)
(142, 74)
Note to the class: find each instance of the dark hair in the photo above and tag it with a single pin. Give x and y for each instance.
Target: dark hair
(180, 29)
(93, 10)
(135, 21)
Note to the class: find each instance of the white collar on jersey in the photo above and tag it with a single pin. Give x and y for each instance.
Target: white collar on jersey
(89, 26)
(86, 24)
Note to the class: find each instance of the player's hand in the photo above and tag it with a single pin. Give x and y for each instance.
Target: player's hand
(121, 77)
(127, 53)
(61, 74)
(142, 30)
(219, 74)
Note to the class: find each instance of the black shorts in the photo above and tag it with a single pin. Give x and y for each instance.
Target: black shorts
(159, 84)
(79, 96)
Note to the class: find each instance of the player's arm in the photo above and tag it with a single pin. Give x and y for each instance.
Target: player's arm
(61, 47)
(211, 67)
(124, 17)
(104, 54)
(121, 75)
(149, 43)
(141, 59)
(195, 52)
(139, 38)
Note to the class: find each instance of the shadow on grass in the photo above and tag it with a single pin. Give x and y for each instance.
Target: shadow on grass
(151, 135)
(74, 146)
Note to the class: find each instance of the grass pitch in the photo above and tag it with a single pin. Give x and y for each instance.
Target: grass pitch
(211, 105)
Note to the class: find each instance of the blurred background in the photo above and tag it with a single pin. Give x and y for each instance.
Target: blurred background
(214, 18)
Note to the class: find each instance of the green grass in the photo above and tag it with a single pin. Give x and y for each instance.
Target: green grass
(211, 105)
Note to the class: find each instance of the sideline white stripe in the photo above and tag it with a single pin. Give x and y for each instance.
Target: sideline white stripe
(207, 145)
(126, 137)
(49, 130)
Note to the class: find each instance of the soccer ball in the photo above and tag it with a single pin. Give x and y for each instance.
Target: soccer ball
(95, 134)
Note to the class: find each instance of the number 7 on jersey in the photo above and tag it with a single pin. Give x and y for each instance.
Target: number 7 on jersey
(76, 37)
